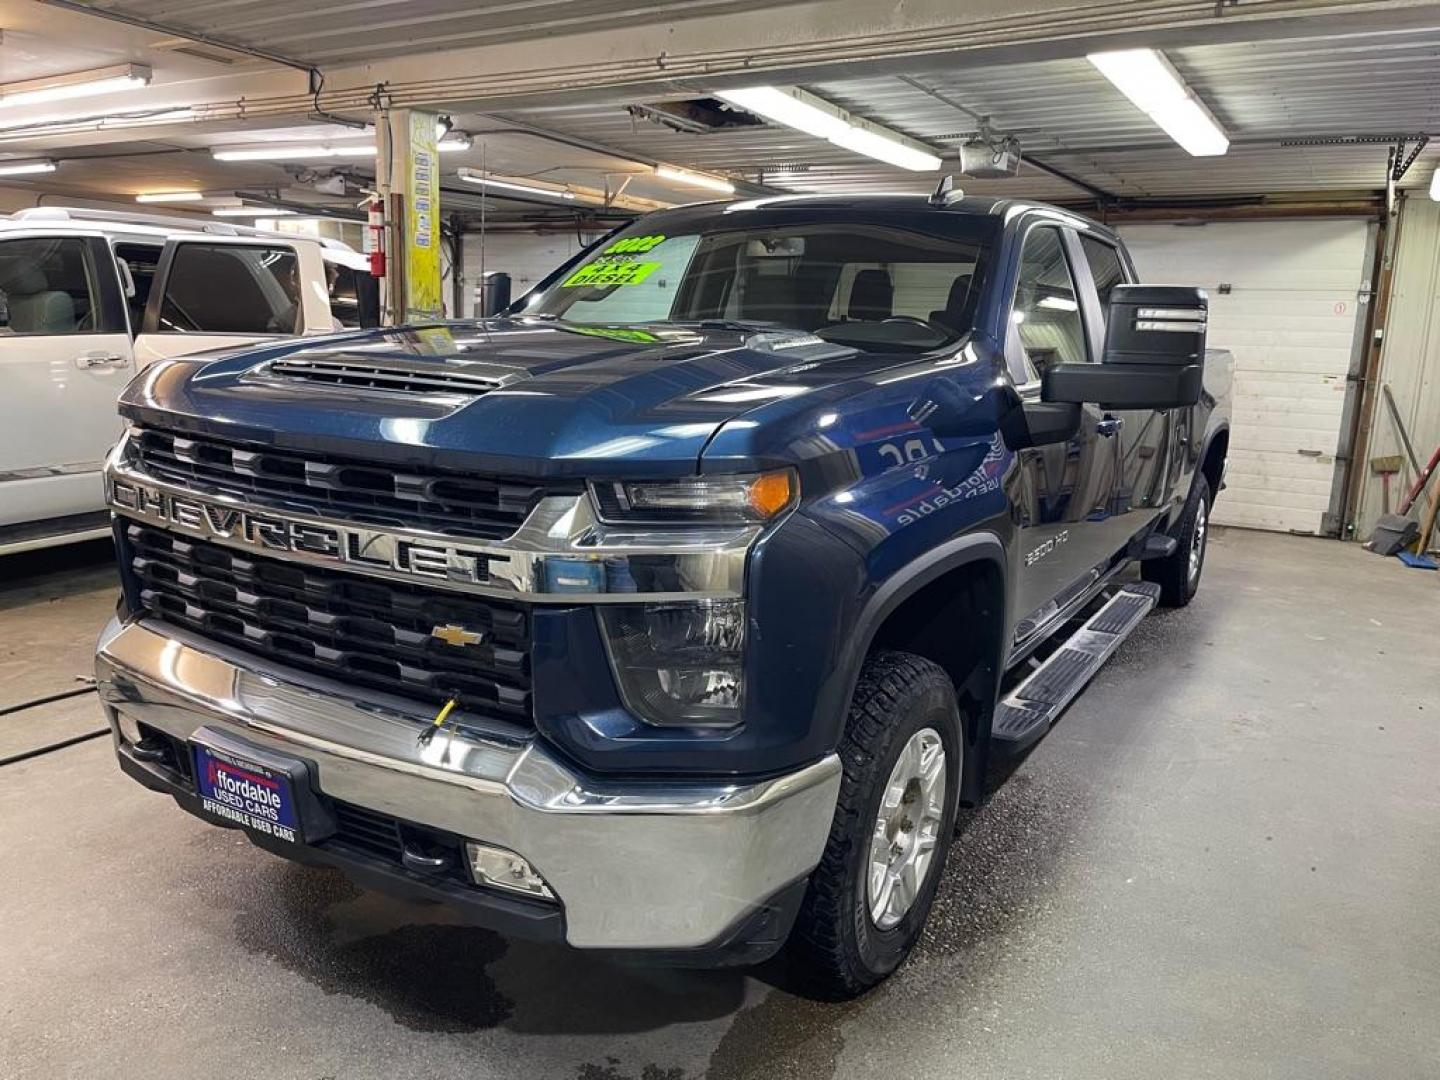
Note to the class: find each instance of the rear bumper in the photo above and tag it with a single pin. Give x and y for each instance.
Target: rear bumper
(667, 868)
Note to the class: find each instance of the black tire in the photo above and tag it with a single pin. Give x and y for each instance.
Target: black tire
(1177, 577)
(836, 950)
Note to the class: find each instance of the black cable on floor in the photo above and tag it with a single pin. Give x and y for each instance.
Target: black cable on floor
(45, 700)
(25, 755)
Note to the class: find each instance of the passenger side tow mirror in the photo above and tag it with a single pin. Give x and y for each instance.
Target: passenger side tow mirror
(1154, 352)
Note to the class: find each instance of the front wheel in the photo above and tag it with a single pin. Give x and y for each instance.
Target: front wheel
(1178, 574)
(868, 899)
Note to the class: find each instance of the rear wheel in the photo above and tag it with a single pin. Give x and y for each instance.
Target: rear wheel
(867, 902)
(1178, 574)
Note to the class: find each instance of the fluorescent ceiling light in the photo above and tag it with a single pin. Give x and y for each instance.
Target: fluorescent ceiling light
(1435, 186)
(250, 211)
(793, 108)
(473, 177)
(280, 151)
(170, 196)
(863, 140)
(104, 80)
(695, 179)
(22, 168)
(1154, 86)
(815, 116)
(296, 152)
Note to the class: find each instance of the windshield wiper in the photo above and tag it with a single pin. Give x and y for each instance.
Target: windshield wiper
(741, 326)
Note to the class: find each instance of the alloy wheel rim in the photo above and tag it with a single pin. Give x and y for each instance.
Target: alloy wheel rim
(1197, 541)
(907, 829)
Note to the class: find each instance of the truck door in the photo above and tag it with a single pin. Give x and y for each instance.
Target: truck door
(210, 293)
(64, 358)
(1065, 488)
(1145, 442)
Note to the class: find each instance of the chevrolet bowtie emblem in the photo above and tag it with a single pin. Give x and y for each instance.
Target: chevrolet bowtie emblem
(457, 635)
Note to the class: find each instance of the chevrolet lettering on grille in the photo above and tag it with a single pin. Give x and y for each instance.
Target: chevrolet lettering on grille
(356, 547)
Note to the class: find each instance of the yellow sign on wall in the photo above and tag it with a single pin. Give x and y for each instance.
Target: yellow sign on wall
(422, 227)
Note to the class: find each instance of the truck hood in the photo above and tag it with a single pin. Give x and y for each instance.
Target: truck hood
(551, 398)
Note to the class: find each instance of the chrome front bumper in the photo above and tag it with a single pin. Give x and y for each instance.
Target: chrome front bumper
(644, 866)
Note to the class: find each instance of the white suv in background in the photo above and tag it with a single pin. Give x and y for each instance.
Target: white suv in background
(87, 298)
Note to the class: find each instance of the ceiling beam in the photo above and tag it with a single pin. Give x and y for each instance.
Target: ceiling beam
(814, 41)
(150, 25)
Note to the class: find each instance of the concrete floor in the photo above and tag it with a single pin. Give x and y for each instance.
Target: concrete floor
(1224, 861)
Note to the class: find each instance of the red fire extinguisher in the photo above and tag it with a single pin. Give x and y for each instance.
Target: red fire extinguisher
(376, 224)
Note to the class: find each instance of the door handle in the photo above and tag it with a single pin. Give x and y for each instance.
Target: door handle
(88, 360)
(1109, 427)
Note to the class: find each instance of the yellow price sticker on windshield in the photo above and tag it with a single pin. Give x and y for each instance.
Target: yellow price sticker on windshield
(634, 245)
(603, 272)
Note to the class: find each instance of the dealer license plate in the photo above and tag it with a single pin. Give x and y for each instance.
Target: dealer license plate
(253, 795)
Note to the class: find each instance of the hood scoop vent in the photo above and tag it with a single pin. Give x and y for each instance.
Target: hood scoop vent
(390, 375)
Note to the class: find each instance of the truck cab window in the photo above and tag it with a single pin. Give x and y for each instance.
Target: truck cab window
(47, 286)
(1045, 327)
(1105, 267)
(231, 289)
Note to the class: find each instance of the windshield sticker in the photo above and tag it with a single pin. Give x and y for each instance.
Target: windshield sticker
(617, 265)
(634, 245)
(610, 271)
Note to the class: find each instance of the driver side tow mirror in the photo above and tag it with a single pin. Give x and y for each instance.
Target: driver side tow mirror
(951, 412)
(1154, 353)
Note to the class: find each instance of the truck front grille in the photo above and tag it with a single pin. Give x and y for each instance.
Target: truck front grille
(347, 489)
(356, 630)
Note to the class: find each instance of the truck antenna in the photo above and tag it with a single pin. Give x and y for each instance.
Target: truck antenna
(945, 192)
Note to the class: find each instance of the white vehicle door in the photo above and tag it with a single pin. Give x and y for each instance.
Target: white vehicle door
(209, 293)
(64, 358)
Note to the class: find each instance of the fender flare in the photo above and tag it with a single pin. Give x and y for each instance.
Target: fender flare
(969, 549)
(1222, 428)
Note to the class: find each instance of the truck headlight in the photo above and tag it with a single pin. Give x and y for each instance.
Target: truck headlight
(749, 497)
(679, 664)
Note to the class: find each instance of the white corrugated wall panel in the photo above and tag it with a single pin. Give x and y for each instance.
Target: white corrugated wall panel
(1289, 317)
(526, 257)
(1410, 356)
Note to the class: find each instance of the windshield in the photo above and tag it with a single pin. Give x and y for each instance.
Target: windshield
(873, 286)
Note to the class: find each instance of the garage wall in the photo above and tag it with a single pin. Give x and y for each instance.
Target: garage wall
(1289, 316)
(526, 257)
(1409, 357)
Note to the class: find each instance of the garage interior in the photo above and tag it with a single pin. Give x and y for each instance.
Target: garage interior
(1221, 862)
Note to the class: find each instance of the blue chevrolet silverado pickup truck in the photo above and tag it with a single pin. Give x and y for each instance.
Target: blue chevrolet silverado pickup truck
(674, 613)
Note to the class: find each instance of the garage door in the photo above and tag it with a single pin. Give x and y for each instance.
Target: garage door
(1284, 298)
